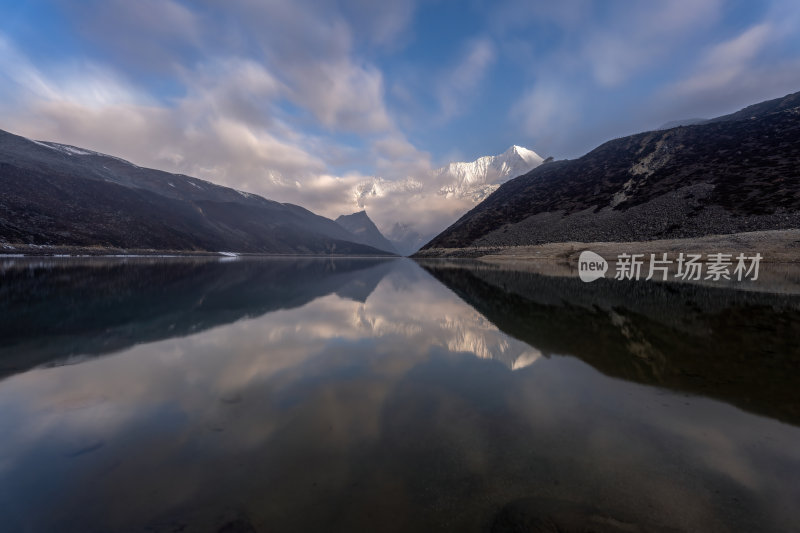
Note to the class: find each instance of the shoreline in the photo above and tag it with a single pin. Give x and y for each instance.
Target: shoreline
(19, 251)
(776, 246)
(779, 272)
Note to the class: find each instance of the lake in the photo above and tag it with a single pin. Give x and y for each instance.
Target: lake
(243, 395)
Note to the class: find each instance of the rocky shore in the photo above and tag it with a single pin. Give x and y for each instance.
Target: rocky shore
(776, 246)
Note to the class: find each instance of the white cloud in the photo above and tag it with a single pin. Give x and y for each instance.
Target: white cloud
(612, 40)
(459, 84)
(86, 83)
(310, 48)
(228, 128)
(383, 23)
(145, 35)
(744, 69)
(223, 129)
(545, 110)
(723, 63)
(282, 97)
(343, 96)
(640, 36)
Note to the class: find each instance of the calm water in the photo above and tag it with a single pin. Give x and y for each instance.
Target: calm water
(382, 395)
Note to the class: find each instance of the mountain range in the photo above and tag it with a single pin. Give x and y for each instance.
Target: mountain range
(730, 174)
(460, 184)
(60, 195)
(735, 173)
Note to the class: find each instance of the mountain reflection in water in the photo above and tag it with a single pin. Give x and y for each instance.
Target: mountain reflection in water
(376, 395)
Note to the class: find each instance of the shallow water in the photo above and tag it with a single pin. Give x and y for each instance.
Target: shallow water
(381, 395)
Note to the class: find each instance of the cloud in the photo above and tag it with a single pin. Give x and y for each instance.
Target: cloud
(585, 67)
(310, 47)
(546, 112)
(288, 98)
(229, 127)
(637, 37)
(395, 147)
(417, 206)
(83, 82)
(146, 35)
(383, 23)
(307, 46)
(459, 84)
(224, 129)
(612, 40)
(726, 62)
(343, 96)
(746, 68)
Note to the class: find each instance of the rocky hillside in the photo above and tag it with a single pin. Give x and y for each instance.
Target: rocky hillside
(60, 195)
(361, 226)
(736, 173)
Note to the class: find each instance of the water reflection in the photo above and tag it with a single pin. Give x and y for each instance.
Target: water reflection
(368, 396)
(739, 346)
(51, 311)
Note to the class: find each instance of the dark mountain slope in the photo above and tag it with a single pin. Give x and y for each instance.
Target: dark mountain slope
(736, 173)
(360, 225)
(61, 195)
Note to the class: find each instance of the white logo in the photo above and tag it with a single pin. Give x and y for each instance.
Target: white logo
(591, 266)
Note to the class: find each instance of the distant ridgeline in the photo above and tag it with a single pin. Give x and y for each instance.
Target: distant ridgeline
(60, 195)
(736, 173)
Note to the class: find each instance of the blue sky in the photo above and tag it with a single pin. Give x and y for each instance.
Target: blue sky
(303, 101)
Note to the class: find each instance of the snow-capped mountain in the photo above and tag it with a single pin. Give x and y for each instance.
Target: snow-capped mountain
(477, 179)
(437, 197)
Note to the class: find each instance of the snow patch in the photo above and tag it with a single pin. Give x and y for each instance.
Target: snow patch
(65, 148)
(40, 143)
(74, 150)
(526, 359)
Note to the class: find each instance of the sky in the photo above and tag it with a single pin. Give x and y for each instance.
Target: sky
(312, 101)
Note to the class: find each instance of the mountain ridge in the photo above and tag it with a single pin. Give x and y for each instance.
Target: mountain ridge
(62, 195)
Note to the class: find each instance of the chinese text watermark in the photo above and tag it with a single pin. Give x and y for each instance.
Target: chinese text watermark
(684, 267)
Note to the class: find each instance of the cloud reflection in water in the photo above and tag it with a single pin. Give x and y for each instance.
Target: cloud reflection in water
(389, 405)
